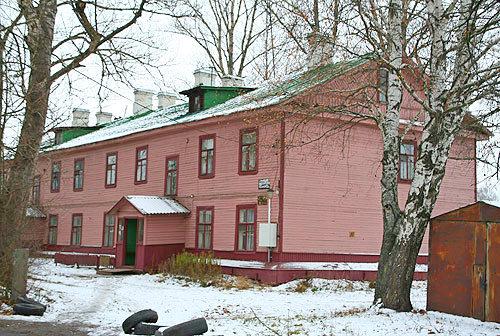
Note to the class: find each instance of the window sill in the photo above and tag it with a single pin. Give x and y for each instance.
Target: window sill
(251, 172)
(197, 249)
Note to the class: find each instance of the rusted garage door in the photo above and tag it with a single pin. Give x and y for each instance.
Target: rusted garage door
(493, 273)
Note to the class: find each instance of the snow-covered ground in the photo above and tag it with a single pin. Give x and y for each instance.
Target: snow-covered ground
(329, 307)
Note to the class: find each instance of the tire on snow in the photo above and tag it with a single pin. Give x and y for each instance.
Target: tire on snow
(194, 327)
(146, 315)
(28, 309)
(24, 299)
(146, 329)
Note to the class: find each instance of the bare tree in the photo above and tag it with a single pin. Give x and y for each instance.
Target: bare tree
(452, 48)
(227, 30)
(301, 19)
(86, 29)
(487, 193)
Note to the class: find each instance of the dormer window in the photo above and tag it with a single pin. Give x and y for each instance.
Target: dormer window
(203, 97)
(58, 138)
(196, 102)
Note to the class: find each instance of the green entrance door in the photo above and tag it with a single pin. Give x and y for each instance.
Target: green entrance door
(131, 239)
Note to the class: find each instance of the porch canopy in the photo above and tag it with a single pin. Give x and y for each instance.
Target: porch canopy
(151, 205)
(34, 212)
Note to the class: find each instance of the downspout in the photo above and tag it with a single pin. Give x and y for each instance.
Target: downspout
(475, 169)
(281, 186)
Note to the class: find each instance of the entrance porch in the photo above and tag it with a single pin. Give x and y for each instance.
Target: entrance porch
(150, 230)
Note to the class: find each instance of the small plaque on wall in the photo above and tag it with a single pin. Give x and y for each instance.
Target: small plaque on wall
(264, 183)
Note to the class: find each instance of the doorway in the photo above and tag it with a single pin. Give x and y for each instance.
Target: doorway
(130, 241)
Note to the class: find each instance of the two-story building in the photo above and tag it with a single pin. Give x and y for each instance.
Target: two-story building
(198, 176)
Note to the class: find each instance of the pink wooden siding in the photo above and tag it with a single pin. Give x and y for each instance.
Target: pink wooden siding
(331, 186)
(164, 230)
(332, 192)
(226, 190)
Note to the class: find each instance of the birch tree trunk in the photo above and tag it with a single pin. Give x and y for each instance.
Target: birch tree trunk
(392, 216)
(404, 230)
(40, 22)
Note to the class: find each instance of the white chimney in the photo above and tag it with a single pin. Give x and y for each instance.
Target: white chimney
(104, 117)
(205, 77)
(320, 50)
(234, 81)
(80, 117)
(166, 99)
(143, 101)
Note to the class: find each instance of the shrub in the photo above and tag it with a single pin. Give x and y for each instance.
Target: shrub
(202, 268)
(303, 285)
(236, 282)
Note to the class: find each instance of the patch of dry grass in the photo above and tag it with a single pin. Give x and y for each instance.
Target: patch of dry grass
(202, 268)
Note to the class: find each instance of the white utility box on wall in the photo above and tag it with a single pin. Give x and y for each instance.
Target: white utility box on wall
(267, 234)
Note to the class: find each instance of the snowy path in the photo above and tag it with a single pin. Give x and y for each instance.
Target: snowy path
(335, 307)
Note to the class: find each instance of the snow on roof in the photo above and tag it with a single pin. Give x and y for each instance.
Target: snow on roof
(270, 93)
(156, 205)
(34, 212)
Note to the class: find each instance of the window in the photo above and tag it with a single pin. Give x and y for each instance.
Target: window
(52, 230)
(207, 156)
(248, 151)
(196, 101)
(76, 229)
(246, 227)
(59, 138)
(204, 227)
(55, 178)
(140, 230)
(406, 161)
(141, 167)
(383, 84)
(109, 230)
(171, 176)
(35, 191)
(121, 229)
(78, 175)
(111, 164)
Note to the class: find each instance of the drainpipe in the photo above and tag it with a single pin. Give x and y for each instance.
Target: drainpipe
(270, 193)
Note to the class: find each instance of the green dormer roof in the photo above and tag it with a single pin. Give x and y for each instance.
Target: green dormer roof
(210, 96)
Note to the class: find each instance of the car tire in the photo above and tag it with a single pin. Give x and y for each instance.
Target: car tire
(146, 329)
(194, 327)
(28, 309)
(24, 299)
(146, 315)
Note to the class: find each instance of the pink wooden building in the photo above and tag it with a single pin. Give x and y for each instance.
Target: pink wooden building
(195, 176)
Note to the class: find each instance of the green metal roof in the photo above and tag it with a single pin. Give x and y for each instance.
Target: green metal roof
(270, 93)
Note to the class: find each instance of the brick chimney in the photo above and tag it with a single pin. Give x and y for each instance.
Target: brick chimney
(320, 50)
(143, 101)
(80, 117)
(166, 99)
(103, 117)
(205, 77)
(232, 81)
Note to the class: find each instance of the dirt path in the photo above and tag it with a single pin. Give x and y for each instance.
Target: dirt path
(25, 328)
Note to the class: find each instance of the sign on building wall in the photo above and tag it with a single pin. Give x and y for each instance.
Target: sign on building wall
(264, 183)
